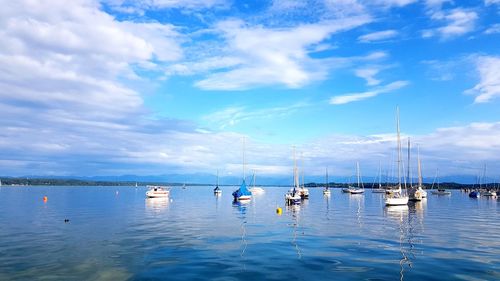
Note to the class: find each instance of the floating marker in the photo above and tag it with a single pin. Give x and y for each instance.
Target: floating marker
(279, 211)
(45, 198)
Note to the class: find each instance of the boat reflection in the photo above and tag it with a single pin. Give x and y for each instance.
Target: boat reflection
(241, 208)
(157, 204)
(406, 216)
(294, 210)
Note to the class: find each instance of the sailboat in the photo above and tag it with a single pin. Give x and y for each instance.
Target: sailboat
(292, 197)
(440, 191)
(487, 192)
(303, 191)
(256, 189)
(397, 198)
(418, 193)
(242, 193)
(326, 191)
(379, 189)
(360, 189)
(217, 190)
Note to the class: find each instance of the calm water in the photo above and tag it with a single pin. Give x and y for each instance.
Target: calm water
(114, 233)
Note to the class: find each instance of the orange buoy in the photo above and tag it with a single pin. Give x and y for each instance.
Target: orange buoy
(45, 198)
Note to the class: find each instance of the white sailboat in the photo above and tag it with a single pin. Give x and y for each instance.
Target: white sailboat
(256, 189)
(292, 197)
(303, 191)
(379, 189)
(397, 198)
(326, 191)
(440, 191)
(418, 193)
(217, 190)
(360, 189)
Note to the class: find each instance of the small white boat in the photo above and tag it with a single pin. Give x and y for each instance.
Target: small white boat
(360, 188)
(396, 197)
(326, 191)
(157, 191)
(347, 190)
(292, 197)
(418, 193)
(489, 193)
(255, 189)
(396, 200)
(441, 192)
(217, 190)
(379, 189)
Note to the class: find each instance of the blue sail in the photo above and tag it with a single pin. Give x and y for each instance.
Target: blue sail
(242, 191)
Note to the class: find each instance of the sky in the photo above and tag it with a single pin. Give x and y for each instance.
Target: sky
(149, 87)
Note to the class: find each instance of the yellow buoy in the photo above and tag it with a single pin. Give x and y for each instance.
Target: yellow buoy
(279, 211)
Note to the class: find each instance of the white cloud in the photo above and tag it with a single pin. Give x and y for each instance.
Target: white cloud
(488, 87)
(494, 29)
(491, 2)
(377, 36)
(273, 55)
(458, 22)
(368, 74)
(347, 98)
(393, 3)
(233, 115)
(139, 6)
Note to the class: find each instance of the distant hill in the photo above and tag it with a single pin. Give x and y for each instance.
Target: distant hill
(200, 178)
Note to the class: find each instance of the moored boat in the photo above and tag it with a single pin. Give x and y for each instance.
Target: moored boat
(157, 191)
(397, 197)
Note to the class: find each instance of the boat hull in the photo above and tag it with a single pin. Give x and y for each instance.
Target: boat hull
(243, 198)
(396, 201)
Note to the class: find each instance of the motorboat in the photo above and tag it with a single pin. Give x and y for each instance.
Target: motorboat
(157, 191)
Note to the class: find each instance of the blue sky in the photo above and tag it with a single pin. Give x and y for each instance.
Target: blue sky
(154, 87)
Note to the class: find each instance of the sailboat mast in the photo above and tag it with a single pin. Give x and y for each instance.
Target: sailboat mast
(326, 177)
(243, 156)
(399, 148)
(379, 174)
(295, 171)
(408, 172)
(420, 183)
(357, 173)
(217, 177)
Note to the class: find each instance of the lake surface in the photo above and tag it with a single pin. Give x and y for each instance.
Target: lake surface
(114, 233)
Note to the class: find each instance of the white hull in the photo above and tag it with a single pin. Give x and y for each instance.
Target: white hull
(326, 192)
(489, 193)
(292, 199)
(441, 192)
(417, 194)
(244, 198)
(303, 193)
(157, 194)
(378, 190)
(257, 190)
(357, 191)
(396, 201)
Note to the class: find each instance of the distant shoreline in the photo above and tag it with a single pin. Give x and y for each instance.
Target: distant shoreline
(7, 181)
